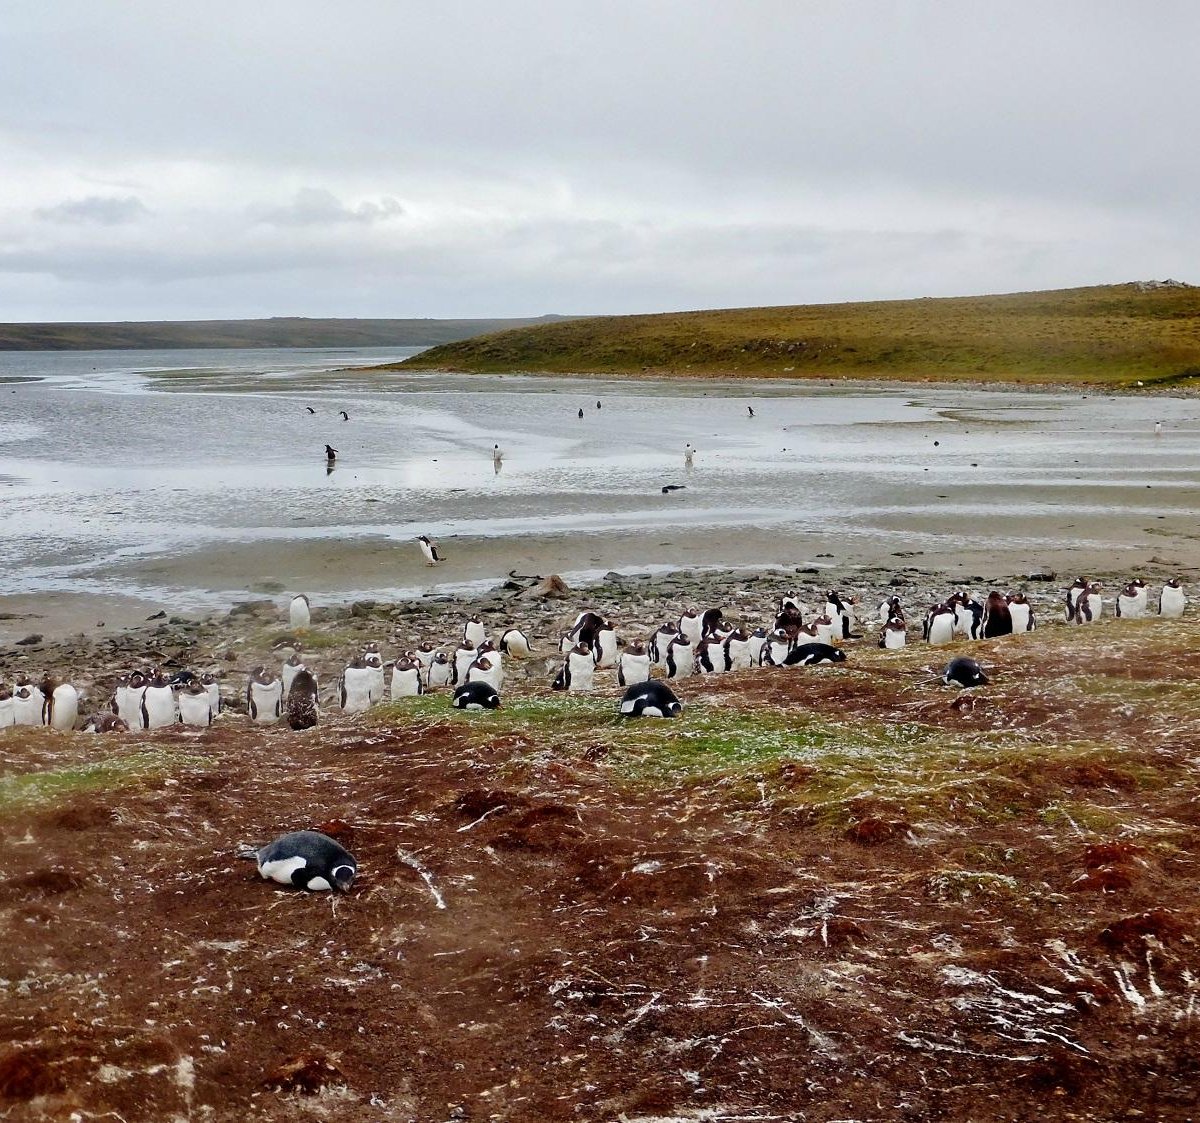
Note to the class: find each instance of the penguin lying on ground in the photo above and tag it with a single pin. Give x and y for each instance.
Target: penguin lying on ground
(810, 654)
(650, 699)
(964, 672)
(307, 860)
(475, 696)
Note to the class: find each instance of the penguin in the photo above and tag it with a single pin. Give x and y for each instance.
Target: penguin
(659, 641)
(28, 702)
(1172, 600)
(775, 648)
(61, 708)
(584, 630)
(710, 656)
(127, 701)
(649, 699)
(497, 454)
(894, 634)
(681, 657)
(374, 664)
(604, 645)
(345, 415)
(99, 723)
(474, 631)
(688, 453)
(301, 708)
(841, 611)
(1157, 426)
(1132, 600)
(939, 624)
(751, 409)
(424, 655)
(307, 860)
(738, 650)
(406, 679)
(968, 614)
(964, 672)
(430, 550)
(292, 666)
(890, 609)
(158, 703)
(1020, 611)
(440, 671)
(997, 619)
(812, 654)
(484, 670)
(464, 655)
(790, 617)
(299, 612)
(827, 628)
(581, 414)
(1076, 589)
(310, 409)
(712, 622)
(634, 664)
(354, 690)
(597, 404)
(516, 643)
(475, 696)
(576, 674)
(264, 696)
(758, 638)
(1089, 606)
(691, 624)
(6, 706)
(195, 705)
(331, 454)
(789, 602)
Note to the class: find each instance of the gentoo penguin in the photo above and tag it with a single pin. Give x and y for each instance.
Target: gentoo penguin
(464, 655)
(98, 723)
(127, 700)
(61, 708)
(710, 656)
(406, 679)
(195, 705)
(475, 696)
(634, 664)
(1089, 605)
(890, 609)
(6, 706)
(751, 409)
(515, 642)
(964, 672)
(1172, 600)
(939, 624)
(840, 610)
(264, 696)
(581, 414)
(894, 634)
(712, 622)
(306, 859)
(474, 631)
(650, 699)
(1132, 600)
(1076, 589)
(292, 666)
(440, 671)
(811, 654)
(827, 628)
(584, 630)
(659, 642)
(1020, 611)
(424, 655)
(789, 618)
(484, 670)
(429, 549)
(738, 649)
(497, 454)
(691, 624)
(775, 648)
(299, 614)
(578, 669)
(997, 619)
(968, 614)
(158, 703)
(28, 702)
(604, 645)
(758, 638)
(688, 453)
(354, 690)
(791, 602)
(681, 657)
(301, 708)
(345, 415)
(374, 662)
(310, 409)
(330, 454)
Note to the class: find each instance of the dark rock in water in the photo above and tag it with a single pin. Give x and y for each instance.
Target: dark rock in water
(810, 569)
(29, 640)
(1040, 575)
(178, 620)
(158, 616)
(361, 608)
(612, 577)
(673, 487)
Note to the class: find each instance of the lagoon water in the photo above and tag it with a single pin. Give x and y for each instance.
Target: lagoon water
(195, 477)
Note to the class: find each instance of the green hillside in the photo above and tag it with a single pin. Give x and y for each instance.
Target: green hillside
(1105, 335)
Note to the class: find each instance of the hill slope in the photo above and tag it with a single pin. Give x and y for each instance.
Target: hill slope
(1112, 335)
(281, 331)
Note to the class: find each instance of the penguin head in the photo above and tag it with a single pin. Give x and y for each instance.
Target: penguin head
(483, 663)
(195, 688)
(158, 679)
(5, 693)
(581, 648)
(343, 877)
(636, 647)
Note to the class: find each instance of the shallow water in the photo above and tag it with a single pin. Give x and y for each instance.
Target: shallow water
(198, 474)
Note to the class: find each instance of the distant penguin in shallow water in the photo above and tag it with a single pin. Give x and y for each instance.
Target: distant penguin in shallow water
(310, 409)
(650, 699)
(330, 454)
(345, 415)
(429, 550)
(964, 672)
(476, 696)
(812, 654)
(581, 414)
(299, 613)
(264, 696)
(307, 860)
(1172, 600)
(634, 664)
(301, 707)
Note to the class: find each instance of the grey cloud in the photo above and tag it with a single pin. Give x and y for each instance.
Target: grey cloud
(102, 210)
(314, 206)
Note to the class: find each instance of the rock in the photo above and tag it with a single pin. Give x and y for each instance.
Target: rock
(1040, 575)
(552, 587)
(249, 607)
(363, 608)
(29, 640)
(897, 582)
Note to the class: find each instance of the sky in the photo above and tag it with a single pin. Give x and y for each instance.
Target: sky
(467, 158)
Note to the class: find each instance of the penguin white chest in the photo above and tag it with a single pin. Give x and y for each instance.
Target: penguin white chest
(633, 668)
(356, 689)
(158, 707)
(195, 709)
(582, 669)
(266, 701)
(406, 683)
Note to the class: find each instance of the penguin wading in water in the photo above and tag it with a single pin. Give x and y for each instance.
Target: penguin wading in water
(307, 860)
(429, 550)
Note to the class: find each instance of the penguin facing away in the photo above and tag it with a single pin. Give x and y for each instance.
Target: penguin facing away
(62, 705)
(307, 860)
(515, 642)
(331, 454)
(649, 699)
(997, 617)
(474, 631)
(964, 672)
(939, 624)
(299, 612)
(301, 707)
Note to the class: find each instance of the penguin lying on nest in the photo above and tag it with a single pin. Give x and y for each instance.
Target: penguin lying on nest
(306, 859)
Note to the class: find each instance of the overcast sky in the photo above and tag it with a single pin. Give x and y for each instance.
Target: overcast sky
(518, 157)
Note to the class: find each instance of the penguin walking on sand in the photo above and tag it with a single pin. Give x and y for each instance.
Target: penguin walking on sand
(354, 688)
(301, 708)
(264, 696)
(578, 670)
(299, 612)
(158, 706)
(964, 672)
(813, 654)
(634, 664)
(650, 699)
(681, 657)
(195, 705)
(1020, 611)
(307, 860)
(429, 550)
(406, 680)
(1172, 600)
(476, 696)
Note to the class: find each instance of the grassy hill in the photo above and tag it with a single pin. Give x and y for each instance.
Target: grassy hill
(281, 331)
(1105, 335)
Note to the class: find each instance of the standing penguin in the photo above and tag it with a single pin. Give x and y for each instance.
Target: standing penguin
(6, 706)
(738, 650)
(968, 614)
(299, 613)
(710, 656)
(681, 657)
(1076, 589)
(302, 708)
(264, 696)
(894, 634)
(28, 702)
(292, 666)
(474, 631)
(429, 550)
(307, 860)
(440, 671)
(939, 624)
(158, 703)
(659, 642)
(604, 645)
(1132, 600)
(127, 701)
(691, 624)
(406, 679)
(374, 663)
(997, 618)
(1020, 611)
(195, 705)
(354, 691)
(890, 609)
(424, 655)
(464, 655)
(214, 690)
(633, 664)
(484, 670)
(775, 648)
(577, 671)
(61, 706)
(1172, 600)
(515, 642)
(330, 454)
(1089, 605)
(828, 629)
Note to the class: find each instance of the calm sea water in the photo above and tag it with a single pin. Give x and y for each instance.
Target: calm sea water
(111, 456)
